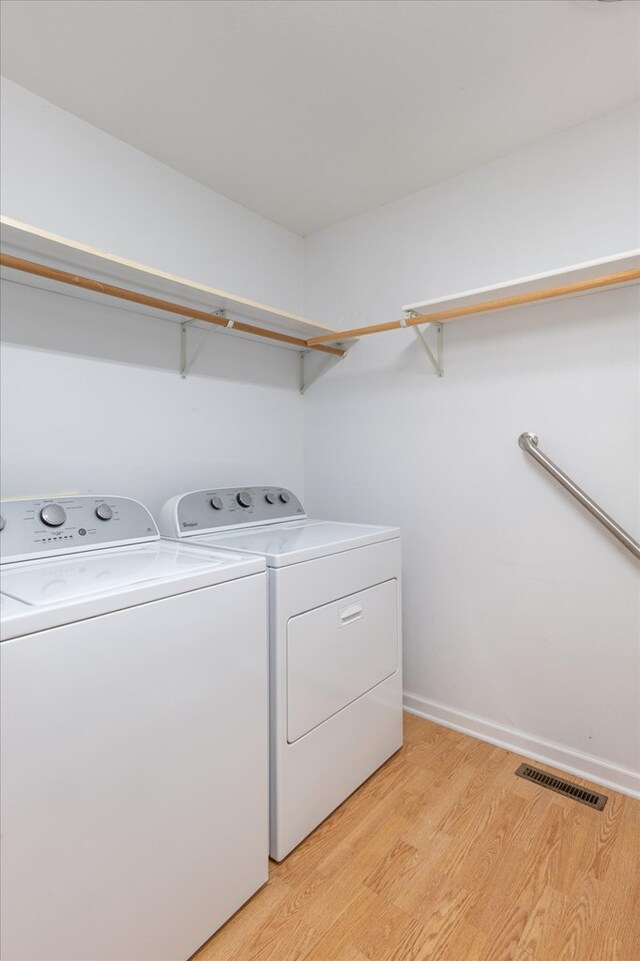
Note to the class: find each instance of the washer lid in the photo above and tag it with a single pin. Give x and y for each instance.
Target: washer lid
(9, 607)
(63, 580)
(292, 543)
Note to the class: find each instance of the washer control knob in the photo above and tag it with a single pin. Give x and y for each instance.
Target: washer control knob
(270, 497)
(285, 497)
(245, 499)
(104, 512)
(53, 515)
(216, 503)
(2, 523)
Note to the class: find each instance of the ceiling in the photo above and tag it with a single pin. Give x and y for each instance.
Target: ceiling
(311, 111)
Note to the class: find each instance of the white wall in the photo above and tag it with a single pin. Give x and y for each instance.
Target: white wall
(521, 613)
(63, 175)
(92, 399)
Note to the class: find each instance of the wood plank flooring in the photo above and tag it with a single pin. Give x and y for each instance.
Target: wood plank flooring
(445, 855)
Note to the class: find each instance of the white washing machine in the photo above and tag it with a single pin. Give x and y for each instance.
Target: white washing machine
(335, 643)
(134, 734)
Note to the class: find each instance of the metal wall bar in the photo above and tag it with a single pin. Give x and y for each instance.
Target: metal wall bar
(529, 443)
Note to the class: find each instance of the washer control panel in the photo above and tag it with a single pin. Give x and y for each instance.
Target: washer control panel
(211, 510)
(42, 527)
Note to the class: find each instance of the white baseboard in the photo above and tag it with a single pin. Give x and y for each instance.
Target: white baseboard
(537, 749)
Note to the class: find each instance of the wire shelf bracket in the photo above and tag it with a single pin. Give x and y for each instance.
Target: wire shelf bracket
(308, 374)
(437, 360)
(187, 363)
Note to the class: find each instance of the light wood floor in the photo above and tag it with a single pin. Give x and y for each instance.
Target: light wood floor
(445, 855)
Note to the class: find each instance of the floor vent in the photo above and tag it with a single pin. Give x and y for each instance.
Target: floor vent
(596, 801)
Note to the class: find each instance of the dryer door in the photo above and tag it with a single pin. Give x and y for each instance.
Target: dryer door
(338, 652)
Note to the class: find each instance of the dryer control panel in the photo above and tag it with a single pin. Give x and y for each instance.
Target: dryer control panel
(200, 512)
(47, 526)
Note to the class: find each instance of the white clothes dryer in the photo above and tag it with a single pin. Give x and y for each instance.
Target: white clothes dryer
(134, 746)
(335, 643)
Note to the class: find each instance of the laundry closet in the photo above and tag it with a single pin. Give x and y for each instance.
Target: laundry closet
(354, 398)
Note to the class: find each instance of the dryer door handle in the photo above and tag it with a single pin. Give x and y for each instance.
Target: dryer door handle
(350, 614)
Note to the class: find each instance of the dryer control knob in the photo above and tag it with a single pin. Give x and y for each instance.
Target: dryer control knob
(245, 499)
(53, 515)
(270, 497)
(285, 497)
(104, 512)
(2, 523)
(216, 503)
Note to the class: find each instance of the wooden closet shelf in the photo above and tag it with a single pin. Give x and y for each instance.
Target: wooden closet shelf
(46, 260)
(580, 279)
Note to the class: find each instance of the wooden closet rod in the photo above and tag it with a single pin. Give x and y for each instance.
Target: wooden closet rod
(52, 273)
(441, 315)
